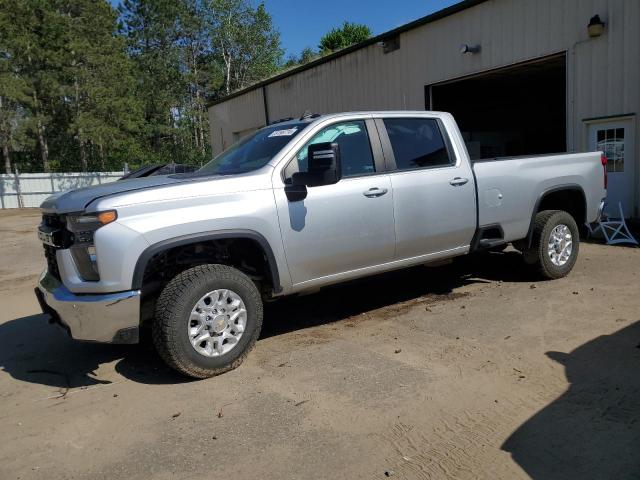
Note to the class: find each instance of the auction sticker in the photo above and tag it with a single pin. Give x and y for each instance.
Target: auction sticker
(283, 133)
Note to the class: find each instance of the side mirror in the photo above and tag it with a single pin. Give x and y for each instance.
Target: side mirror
(324, 159)
(323, 168)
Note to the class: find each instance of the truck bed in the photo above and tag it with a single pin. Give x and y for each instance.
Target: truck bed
(508, 188)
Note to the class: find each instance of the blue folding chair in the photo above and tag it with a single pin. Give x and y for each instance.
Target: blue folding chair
(614, 230)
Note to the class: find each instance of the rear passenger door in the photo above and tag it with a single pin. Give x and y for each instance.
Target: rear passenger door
(433, 188)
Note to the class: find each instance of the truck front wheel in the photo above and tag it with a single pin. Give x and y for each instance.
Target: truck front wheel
(207, 319)
(555, 244)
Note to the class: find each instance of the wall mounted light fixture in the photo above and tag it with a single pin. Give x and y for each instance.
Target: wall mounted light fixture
(595, 27)
(464, 48)
(390, 44)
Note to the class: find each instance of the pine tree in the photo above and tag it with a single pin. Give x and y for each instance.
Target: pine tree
(104, 107)
(32, 44)
(152, 29)
(5, 134)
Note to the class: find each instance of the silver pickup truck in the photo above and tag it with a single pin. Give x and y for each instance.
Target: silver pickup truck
(298, 205)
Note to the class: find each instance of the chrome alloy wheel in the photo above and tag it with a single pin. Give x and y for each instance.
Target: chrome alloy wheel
(560, 245)
(217, 322)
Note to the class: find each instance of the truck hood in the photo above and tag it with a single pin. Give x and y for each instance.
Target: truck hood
(78, 200)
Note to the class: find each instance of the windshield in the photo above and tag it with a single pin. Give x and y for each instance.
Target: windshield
(255, 151)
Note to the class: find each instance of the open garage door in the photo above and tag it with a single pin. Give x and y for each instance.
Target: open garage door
(518, 110)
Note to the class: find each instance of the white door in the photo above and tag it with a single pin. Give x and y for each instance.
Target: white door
(343, 227)
(616, 139)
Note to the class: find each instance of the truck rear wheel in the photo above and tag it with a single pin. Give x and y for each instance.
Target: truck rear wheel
(555, 244)
(207, 319)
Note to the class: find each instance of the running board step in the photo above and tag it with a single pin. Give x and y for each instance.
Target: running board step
(490, 242)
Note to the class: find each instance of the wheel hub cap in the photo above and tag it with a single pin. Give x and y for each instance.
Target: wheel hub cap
(560, 245)
(217, 322)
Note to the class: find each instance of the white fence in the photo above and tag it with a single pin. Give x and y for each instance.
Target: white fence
(30, 189)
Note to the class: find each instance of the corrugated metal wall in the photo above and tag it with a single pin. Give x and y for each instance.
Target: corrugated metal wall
(603, 73)
(242, 113)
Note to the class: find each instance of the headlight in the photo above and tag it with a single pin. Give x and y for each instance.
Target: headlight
(90, 222)
(83, 249)
(101, 218)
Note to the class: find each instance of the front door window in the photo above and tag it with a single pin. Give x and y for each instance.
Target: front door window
(355, 149)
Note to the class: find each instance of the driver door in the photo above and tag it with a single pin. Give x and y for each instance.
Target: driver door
(340, 229)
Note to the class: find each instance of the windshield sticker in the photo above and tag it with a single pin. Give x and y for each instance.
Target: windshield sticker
(283, 133)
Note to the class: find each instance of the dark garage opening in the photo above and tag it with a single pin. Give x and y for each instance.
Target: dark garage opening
(519, 110)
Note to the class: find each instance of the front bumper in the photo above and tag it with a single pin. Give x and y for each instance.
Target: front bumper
(107, 318)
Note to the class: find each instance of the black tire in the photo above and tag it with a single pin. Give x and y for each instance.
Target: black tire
(538, 255)
(173, 309)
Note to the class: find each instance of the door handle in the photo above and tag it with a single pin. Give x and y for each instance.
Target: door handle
(374, 192)
(458, 181)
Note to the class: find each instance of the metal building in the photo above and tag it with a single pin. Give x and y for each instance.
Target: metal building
(520, 76)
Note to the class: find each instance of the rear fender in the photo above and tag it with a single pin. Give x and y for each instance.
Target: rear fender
(540, 205)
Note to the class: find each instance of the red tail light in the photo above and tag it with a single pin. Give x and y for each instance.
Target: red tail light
(603, 159)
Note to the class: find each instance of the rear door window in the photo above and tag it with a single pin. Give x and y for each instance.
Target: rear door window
(417, 143)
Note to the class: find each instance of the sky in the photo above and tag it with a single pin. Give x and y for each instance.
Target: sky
(301, 23)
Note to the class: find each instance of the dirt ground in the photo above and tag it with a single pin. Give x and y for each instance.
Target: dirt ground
(472, 370)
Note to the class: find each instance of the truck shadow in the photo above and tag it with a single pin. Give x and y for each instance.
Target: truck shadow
(590, 431)
(349, 299)
(34, 351)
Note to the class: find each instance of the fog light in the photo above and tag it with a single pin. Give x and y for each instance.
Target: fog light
(86, 262)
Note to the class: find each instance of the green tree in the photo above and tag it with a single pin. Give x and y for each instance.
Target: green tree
(84, 86)
(152, 30)
(66, 84)
(307, 55)
(32, 48)
(201, 76)
(13, 134)
(347, 34)
(10, 88)
(104, 110)
(244, 42)
(5, 132)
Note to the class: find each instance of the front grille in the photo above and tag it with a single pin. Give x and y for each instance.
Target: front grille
(55, 222)
(52, 262)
